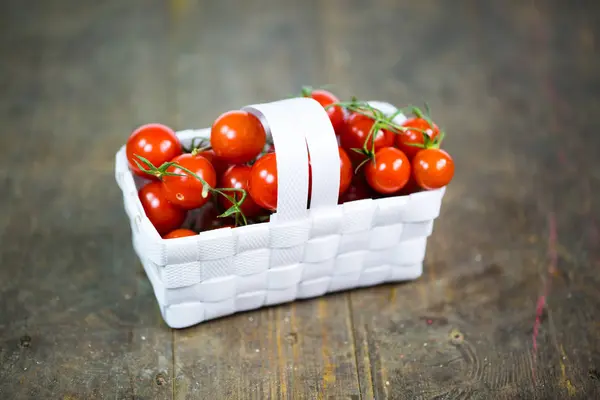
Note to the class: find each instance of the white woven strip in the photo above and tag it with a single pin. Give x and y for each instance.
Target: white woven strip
(299, 254)
(323, 148)
(292, 158)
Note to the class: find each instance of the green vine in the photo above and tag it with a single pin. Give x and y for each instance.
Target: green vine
(381, 121)
(235, 208)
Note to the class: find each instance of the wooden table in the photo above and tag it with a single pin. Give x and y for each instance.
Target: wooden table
(509, 305)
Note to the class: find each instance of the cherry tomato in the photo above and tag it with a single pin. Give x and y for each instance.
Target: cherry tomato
(356, 133)
(218, 223)
(390, 171)
(155, 142)
(405, 138)
(433, 168)
(185, 191)
(164, 216)
(346, 172)
(205, 216)
(262, 184)
(358, 190)
(411, 186)
(336, 114)
(237, 137)
(219, 165)
(237, 177)
(178, 233)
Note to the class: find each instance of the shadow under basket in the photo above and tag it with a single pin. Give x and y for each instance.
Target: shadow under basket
(300, 253)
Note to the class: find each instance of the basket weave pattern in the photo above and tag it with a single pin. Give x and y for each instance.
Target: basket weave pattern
(325, 249)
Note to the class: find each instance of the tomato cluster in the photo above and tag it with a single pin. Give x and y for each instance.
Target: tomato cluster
(231, 179)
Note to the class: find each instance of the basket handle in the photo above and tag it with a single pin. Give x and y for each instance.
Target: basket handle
(295, 124)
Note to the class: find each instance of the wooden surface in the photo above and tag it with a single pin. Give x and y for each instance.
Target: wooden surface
(509, 305)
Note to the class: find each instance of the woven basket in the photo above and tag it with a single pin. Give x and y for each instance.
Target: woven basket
(300, 253)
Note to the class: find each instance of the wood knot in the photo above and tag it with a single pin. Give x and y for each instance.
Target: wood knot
(292, 337)
(25, 341)
(456, 337)
(160, 380)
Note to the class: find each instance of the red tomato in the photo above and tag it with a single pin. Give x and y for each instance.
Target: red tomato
(262, 184)
(185, 191)
(164, 216)
(218, 223)
(390, 171)
(336, 114)
(178, 233)
(237, 137)
(346, 172)
(208, 218)
(355, 135)
(155, 142)
(219, 165)
(358, 190)
(433, 168)
(205, 217)
(411, 186)
(406, 138)
(237, 177)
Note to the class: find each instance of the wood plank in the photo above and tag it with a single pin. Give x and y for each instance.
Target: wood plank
(301, 351)
(483, 322)
(508, 306)
(77, 315)
(304, 350)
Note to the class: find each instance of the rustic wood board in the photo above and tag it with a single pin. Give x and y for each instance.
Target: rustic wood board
(300, 350)
(77, 317)
(508, 306)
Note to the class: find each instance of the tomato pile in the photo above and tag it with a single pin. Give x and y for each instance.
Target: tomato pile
(231, 178)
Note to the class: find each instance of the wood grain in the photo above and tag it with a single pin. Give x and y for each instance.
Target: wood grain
(508, 306)
(299, 351)
(302, 350)
(77, 317)
(482, 323)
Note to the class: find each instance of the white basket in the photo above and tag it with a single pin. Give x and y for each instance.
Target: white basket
(299, 253)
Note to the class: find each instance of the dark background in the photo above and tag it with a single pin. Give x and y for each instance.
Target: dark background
(508, 306)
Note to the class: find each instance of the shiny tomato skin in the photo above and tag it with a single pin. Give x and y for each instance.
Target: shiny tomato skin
(390, 172)
(237, 177)
(346, 171)
(185, 191)
(206, 217)
(237, 137)
(219, 165)
(356, 133)
(155, 142)
(411, 186)
(337, 114)
(405, 139)
(178, 233)
(163, 215)
(359, 189)
(433, 168)
(262, 184)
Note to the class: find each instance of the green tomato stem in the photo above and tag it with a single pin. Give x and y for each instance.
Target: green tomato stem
(206, 188)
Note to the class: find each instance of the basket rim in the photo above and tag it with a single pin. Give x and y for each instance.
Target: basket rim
(129, 190)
